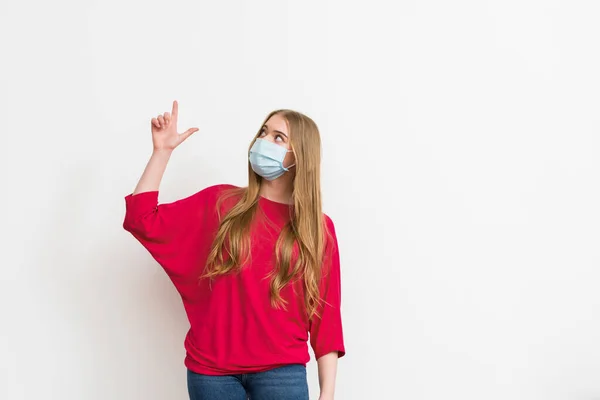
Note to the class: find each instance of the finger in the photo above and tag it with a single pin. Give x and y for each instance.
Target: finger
(188, 133)
(175, 110)
(155, 122)
(162, 121)
(167, 117)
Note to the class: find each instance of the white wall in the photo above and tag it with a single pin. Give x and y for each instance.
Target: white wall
(461, 161)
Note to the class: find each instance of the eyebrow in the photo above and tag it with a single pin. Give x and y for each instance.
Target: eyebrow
(274, 130)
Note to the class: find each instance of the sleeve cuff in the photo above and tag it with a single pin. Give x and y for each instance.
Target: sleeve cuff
(140, 203)
(339, 349)
(142, 199)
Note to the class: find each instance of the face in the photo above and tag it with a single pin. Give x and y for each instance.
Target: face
(276, 130)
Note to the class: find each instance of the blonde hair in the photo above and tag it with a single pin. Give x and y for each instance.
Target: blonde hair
(306, 228)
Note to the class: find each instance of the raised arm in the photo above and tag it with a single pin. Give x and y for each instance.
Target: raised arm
(163, 229)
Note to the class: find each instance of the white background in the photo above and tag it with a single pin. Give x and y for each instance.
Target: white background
(461, 168)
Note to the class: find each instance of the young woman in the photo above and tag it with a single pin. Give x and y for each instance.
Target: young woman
(257, 267)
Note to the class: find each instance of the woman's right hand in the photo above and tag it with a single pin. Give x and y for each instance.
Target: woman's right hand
(164, 130)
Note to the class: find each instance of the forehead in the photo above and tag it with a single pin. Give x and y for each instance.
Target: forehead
(277, 123)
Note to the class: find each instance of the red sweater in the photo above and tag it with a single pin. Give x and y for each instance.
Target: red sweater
(233, 327)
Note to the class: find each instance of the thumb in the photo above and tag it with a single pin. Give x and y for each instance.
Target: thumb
(188, 133)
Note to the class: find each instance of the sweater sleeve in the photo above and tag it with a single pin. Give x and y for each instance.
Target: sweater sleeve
(168, 230)
(326, 334)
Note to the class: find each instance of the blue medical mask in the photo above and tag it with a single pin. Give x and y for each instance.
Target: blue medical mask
(266, 159)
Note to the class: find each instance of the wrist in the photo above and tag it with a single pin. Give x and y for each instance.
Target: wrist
(162, 152)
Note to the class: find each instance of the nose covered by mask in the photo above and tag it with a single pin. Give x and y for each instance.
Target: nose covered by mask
(266, 159)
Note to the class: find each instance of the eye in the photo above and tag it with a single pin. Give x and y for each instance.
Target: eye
(279, 138)
(262, 132)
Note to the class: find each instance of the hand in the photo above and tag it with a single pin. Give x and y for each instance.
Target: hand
(164, 130)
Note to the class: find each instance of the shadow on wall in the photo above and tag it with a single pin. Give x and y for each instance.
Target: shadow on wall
(118, 322)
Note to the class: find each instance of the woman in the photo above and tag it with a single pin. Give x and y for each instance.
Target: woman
(257, 267)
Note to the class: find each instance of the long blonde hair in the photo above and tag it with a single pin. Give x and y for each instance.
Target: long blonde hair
(306, 228)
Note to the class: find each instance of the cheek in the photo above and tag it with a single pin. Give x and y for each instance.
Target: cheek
(289, 159)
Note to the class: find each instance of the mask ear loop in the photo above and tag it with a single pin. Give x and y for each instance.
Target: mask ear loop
(290, 166)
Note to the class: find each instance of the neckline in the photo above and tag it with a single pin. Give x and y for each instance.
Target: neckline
(277, 203)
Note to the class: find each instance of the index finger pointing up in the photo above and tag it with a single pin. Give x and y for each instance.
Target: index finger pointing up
(175, 109)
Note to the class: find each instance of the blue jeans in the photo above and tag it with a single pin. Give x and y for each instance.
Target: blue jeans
(283, 383)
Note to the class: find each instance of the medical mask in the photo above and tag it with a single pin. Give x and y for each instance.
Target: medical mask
(266, 159)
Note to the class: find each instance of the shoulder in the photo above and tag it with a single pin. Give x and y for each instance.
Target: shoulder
(201, 198)
(212, 193)
(328, 224)
(220, 197)
(215, 191)
(330, 234)
(330, 246)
